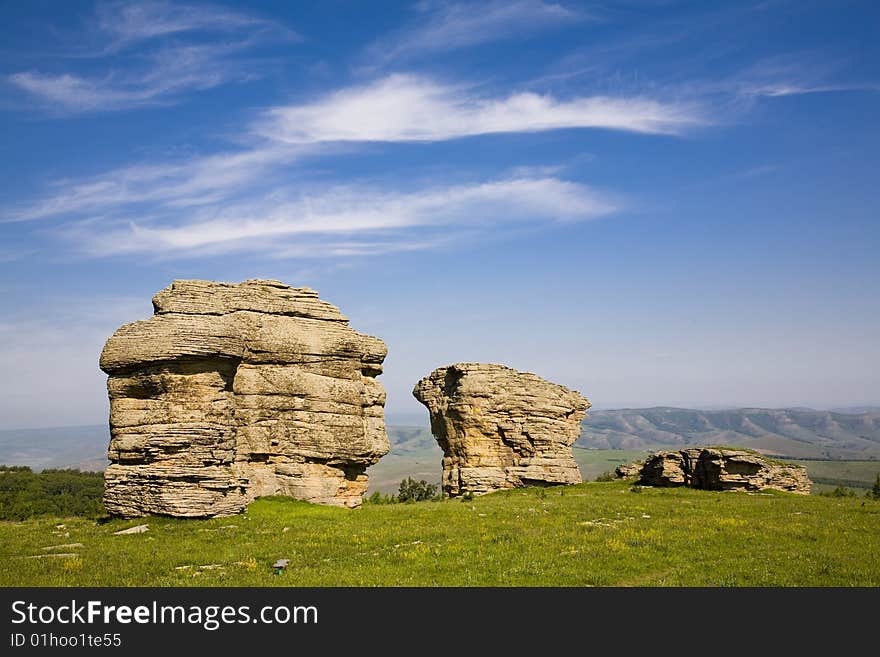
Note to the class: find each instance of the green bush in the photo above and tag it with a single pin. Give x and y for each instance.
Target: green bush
(379, 498)
(417, 491)
(606, 476)
(839, 491)
(874, 493)
(410, 490)
(27, 494)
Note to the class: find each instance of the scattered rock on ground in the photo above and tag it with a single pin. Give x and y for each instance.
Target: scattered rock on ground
(713, 468)
(51, 555)
(137, 529)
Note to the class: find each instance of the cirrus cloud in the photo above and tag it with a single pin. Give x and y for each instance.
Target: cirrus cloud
(449, 26)
(150, 54)
(347, 220)
(400, 108)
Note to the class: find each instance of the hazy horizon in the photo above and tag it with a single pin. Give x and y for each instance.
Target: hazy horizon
(415, 418)
(656, 204)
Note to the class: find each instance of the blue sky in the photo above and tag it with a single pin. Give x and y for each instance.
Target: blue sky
(653, 202)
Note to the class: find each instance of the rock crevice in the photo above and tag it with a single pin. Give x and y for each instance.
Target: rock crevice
(234, 391)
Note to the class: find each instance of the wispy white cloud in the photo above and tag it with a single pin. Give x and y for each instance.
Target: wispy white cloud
(793, 88)
(167, 74)
(347, 220)
(791, 74)
(444, 26)
(161, 74)
(243, 201)
(129, 22)
(398, 108)
(193, 182)
(410, 108)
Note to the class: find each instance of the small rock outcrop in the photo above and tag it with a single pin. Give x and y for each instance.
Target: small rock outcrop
(712, 468)
(500, 428)
(628, 470)
(235, 391)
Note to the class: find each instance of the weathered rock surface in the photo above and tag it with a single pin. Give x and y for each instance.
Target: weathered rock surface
(628, 470)
(235, 391)
(712, 468)
(500, 428)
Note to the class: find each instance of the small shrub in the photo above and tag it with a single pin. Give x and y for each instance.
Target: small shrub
(417, 491)
(635, 489)
(379, 498)
(874, 492)
(840, 491)
(467, 497)
(606, 476)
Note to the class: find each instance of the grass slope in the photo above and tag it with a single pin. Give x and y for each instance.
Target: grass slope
(858, 475)
(593, 462)
(592, 534)
(414, 453)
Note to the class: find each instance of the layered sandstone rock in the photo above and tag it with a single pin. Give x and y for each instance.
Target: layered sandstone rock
(628, 470)
(500, 428)
(712, 468)
(235, 391)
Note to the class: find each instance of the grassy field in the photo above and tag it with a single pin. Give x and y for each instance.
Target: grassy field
(593, 534)
(857, 475)
(424, 462)
(593, 462)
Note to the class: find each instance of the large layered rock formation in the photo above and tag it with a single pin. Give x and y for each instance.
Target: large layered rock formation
(234, 391)
(500, 428)
(713, 468)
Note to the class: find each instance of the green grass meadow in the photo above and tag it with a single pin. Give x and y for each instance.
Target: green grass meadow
(593, 534)
(594, 462)
(826, 475)
(424, 463)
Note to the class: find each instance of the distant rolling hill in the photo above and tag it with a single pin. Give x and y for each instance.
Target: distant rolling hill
(83, 447)
(798, 433)
(608, 437)
(414, 453)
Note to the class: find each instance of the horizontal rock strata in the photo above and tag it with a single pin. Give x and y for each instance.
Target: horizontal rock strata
(235, 391)
(500, 428)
